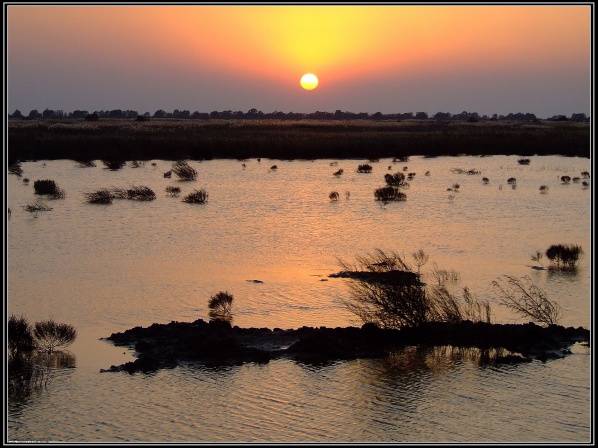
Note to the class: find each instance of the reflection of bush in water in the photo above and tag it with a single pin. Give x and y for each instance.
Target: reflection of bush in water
(34, 370)
(442, 358)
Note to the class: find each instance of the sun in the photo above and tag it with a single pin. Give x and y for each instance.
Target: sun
(309, 81)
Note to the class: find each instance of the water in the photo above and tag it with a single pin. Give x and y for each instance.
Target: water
(107, 268)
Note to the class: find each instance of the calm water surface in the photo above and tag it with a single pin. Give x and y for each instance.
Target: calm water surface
(107, 268)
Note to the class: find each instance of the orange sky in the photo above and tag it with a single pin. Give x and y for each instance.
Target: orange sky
(367, 58)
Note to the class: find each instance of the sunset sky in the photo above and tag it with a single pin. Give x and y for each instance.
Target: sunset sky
(389, 58)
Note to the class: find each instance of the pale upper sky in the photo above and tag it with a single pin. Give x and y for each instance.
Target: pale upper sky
(389, 58)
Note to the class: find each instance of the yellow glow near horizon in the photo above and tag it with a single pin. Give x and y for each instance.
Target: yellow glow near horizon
(340, 43)
(309, 81)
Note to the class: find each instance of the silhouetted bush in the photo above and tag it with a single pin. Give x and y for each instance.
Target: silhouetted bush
(48, 188)
(50, 335)
(339, 172)
(384, 290)
(511, 181)
(173, 191)
(523, 161)
(565, 254)
(543, 189)
(141, 194)
(196, 197)
(364, 168)
(220, 306)
(333, 196)
(114, 165)
(103, 196)
(395, 180)
(15, 168)
(20, 336)
(86, 163)
(184, 170)
(388, 194)
(565, 179)
(522, 296)
(485, 180)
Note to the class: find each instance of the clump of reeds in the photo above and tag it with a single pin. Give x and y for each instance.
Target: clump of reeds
(462, 171)
(485, 180)
(220, 306)
(273, 167)
(47, 187)
(401, 159)
(26, 180)
(84, 163)
(364, 168)
(16, 169)
(137, 163)
(36, 207)
(185, 172)
(511, 181)
(585, 174)
(114, 165)
(339, 172)
(585, 184)
(565, 179)
(196, 197)
(173, 191)
(564, 254)
(543, 189)
(389, 193)
(103, 196)
(333, 196)
(523, 161)
(396, 180)
(444, 275)
(141, 194)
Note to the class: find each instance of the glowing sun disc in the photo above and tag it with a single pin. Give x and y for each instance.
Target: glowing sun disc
(309, 81)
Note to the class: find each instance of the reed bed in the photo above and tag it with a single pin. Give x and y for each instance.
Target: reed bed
(290, 139)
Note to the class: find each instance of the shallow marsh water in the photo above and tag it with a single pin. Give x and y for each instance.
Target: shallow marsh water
(107, 268)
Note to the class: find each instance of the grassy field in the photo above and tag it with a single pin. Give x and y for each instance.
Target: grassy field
(173, 139)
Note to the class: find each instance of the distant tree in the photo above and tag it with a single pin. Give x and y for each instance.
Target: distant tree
(34, 114)
(160, 114)
(92, 117)
(421, 116)
(16, 114)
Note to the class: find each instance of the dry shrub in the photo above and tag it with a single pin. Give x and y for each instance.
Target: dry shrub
(527, 299)
(184, 170)
(196, 197)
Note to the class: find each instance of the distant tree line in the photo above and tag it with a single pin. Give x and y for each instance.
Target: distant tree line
(255, 114)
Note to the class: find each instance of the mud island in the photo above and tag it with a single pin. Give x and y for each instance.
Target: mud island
(217, 342)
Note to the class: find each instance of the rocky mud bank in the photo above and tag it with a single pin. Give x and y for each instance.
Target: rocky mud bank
(218, 343)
